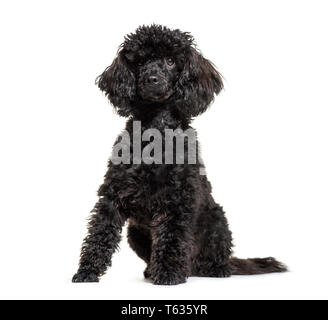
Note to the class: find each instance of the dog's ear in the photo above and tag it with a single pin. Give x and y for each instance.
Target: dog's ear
(198, 83)
(118, 84)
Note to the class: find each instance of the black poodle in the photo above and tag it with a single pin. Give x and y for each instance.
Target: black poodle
(161, 81)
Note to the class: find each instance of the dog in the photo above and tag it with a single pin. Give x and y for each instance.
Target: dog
(161, 81)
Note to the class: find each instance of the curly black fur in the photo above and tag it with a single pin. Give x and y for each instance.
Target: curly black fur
(175, 226)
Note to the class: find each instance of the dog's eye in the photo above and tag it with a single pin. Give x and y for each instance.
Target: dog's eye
(169, 61)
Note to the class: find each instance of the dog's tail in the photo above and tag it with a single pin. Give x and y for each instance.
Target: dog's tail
(256, 266)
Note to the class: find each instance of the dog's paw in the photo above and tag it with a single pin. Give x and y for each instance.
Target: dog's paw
(223, 272)
(83, 276)
(147, 273)
(168, 279)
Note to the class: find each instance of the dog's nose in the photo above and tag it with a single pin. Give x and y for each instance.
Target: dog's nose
(152, 80)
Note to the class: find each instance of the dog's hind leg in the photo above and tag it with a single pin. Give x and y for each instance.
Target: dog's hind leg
(139, 240)
(214, 254)
(216, 244)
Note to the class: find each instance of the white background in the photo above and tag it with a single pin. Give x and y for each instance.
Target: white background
(264, 141)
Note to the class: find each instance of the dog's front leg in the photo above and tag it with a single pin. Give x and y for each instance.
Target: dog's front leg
(171, 243)
(105, 228)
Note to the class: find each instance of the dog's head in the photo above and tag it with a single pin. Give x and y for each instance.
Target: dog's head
(156, 66)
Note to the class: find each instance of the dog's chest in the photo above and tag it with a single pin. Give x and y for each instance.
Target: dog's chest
(143, 191)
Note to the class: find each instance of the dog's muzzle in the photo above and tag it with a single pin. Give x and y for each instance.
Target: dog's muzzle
(154, 88)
